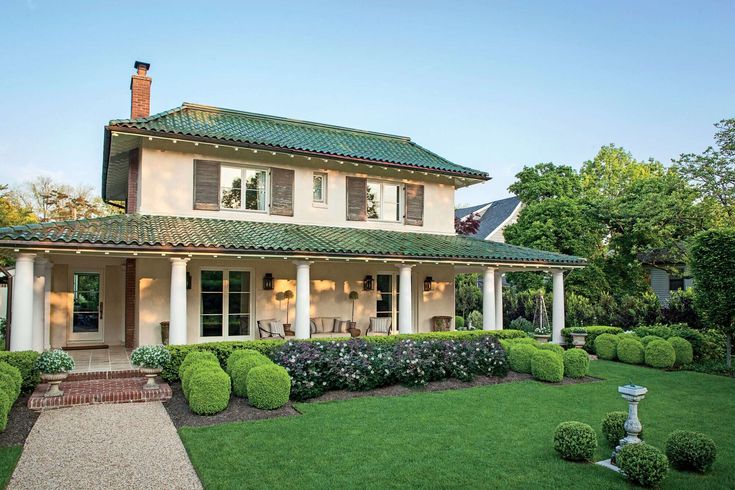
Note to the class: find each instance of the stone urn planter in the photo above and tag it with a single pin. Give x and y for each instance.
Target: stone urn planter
(579, 339)
(542, 339)
(150, 374)
(53, 380)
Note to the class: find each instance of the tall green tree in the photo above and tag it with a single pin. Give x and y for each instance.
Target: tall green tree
(546, 181)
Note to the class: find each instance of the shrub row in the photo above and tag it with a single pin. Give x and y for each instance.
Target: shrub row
(205, 384)
(11, 382)
(547, 362)
(654, 351)
(592, 333)
(361, 364)
(265, 384)
(25, 362)
(222, 350)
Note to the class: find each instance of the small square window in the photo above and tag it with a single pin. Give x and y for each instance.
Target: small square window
(319, 195)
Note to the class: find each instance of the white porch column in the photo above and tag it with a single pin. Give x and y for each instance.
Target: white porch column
(488, 299)
(177, 316)
(47, 306)
(21, 330)
(405, 302)
(303, 300)
(39, 303)
(557, 313)
(498, 300)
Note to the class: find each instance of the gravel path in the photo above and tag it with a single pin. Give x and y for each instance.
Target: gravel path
(116, 446)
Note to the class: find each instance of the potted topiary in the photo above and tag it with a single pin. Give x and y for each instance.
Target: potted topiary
(150, 359)
(353, 297)
(54, 366)
(286, 295)
(164, 332)
(542, 334)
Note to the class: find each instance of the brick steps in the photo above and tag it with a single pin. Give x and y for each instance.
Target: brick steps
(129, 373)
(115, 387)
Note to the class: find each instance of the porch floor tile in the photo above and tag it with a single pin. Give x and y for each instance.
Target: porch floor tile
(114, 358)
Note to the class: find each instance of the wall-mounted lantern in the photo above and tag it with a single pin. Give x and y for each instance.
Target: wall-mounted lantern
(428, 283)
(268, 281)
(367, 283)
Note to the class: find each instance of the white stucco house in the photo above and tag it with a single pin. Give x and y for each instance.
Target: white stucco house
(224, 209)
(493, 216)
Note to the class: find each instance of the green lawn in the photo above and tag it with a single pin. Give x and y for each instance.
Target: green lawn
(8, 459)
(494, 436)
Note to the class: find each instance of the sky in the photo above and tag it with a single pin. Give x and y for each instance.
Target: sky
(489, 85)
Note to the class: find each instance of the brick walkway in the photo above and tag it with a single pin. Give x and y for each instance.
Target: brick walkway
(108, 388)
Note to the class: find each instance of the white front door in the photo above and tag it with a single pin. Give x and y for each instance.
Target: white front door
(387, 303)
(87, 318)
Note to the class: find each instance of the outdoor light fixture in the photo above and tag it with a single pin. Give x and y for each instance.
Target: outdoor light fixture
(428, 283)
(268, 281)
(367, 284)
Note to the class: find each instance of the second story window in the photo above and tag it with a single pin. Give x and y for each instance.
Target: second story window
(242, 188)
(319, 193)
(383, 201)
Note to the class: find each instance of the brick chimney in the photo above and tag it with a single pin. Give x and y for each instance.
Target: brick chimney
(140, 91)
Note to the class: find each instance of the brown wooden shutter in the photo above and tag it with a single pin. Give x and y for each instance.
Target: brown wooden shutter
(282, 181)
(356, 199)
(414, 204)
(206, 185)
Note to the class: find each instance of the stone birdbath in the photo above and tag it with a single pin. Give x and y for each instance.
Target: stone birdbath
(633, 394)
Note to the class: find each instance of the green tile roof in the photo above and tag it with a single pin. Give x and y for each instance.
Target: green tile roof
(146, 232)
(192, 120)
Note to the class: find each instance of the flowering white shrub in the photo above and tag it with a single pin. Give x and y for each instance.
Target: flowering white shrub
(54, 362)
(150, 356)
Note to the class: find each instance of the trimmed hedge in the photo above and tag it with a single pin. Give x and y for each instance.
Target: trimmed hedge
(237, 355)
(575, 441)
(547, 366)
(683, 351)
(650, 338)
(222, 350)
(613, 427)
(240, 370)
(268, 386)
(689, 450)
(189, 371)
(209, 390)
(606, 346)
(631, 350)
(194, 357)
(520, 356)
(643, 464)
(10, 386)
(660, 354)
(576, 363)
(552, 347)
(6, 403)
(592, 333)
(25, 361)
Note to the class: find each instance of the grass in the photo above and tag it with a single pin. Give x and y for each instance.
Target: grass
(493, 436)
(8, 459)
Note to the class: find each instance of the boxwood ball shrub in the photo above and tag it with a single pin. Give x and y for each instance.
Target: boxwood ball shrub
(613, 427)
(196, 355)
(9, 385)
(660, 354)
(552, 347)
(14, 374)
(575, 441)
(592, 333)
(240, 371)
(269, 386)
(547, 366)
(5, 404)
(520, 357)
(631, 351)
(25, 361)
(195, 367)
(682, 350)
(576, 363)
(643, 464)
(650, 338)
(209, 391)
(691, 451)
(606, 346)
(241, 354)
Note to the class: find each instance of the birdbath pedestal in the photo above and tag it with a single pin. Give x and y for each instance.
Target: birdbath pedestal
(633, 394)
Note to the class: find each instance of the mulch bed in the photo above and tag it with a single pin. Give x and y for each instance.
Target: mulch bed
(20, 423)
(238, 410)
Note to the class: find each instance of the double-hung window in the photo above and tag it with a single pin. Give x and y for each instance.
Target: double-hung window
(225, 303)
(383, 201)
(243, 188)
(319, 188)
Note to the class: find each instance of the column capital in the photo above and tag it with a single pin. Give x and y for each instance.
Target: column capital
(179, 260)
(556, 271)
(25, 257)
(303, 263)
(405, 266)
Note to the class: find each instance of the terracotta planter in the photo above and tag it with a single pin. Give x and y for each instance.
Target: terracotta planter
(579, 340)
(53, 380)
(150, 374)
(355, 332)
(542, 339)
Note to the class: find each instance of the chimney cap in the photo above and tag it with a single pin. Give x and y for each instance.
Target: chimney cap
(142, 66)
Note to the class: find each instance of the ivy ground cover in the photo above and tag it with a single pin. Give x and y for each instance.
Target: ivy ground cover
(496, 436)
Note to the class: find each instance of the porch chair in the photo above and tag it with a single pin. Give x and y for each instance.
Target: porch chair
(271, 329)
(379, 326)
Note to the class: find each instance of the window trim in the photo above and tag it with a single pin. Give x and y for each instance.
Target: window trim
(401, 200)
(325, 192)
(243, 168)
(226, 303)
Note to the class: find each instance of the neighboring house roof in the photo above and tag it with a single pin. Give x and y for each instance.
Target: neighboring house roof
(492, 215)
(226, 125)
(673, 255)
(170, 233)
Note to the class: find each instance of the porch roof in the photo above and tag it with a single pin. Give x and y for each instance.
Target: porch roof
(181, 234)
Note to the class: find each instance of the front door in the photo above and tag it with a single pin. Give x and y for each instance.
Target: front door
(87, 319)
(387, 304)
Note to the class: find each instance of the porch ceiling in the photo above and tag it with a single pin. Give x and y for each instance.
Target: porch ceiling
(170, 234)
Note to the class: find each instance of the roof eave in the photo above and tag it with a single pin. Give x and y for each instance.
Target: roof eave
(483, 176)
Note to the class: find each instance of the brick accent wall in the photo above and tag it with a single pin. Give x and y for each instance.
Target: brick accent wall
(140, 96)
(130, 291)
(131, 203)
